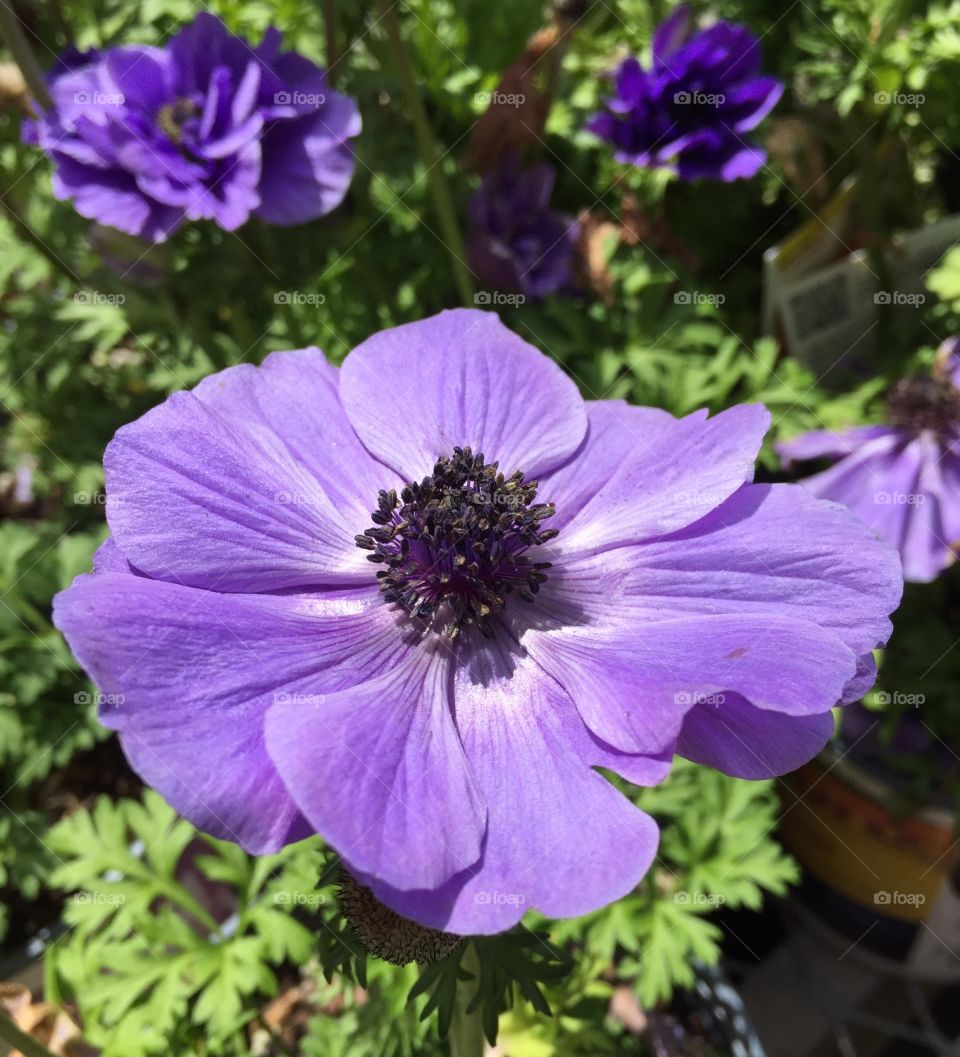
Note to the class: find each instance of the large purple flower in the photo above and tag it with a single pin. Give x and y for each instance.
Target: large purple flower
(902, 478)
(515, 242)
(431, 685)
(690, 111)
(207, 127)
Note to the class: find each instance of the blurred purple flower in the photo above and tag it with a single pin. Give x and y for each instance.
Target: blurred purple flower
(515, 242)
(431, 686)
(206, 127)
(690, 111)
(903, 478)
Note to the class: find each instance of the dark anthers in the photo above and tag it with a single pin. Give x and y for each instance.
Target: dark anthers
(453, 545)
(923, 402)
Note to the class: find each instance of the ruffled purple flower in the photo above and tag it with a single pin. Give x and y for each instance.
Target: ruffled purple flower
(205, 128)
(902, 478)
(413, 603)
(515, 242)
(690, 112)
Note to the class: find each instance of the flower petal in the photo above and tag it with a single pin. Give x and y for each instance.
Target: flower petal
(559, 837)
(670, 478)
(252, 482)
(460, 378)
(827, 444)
(774, 549)
(634, 685)
(187, 676)
(749, 742)
(379, 771)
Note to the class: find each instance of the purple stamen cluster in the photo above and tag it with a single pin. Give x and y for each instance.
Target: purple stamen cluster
(924, 402)
(454, 544)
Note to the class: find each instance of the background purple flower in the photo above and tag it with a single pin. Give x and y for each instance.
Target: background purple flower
(515, 242)
(903, 478)
(437, 713)
(690, 111)
(206, 127)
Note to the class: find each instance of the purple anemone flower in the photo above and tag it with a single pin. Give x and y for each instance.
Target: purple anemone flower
(205, 128)
(515, 242)
(690, 111)
(902, 478)
(413, 603)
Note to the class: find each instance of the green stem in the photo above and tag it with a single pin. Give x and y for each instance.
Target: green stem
(466, 1029)
(22, 55)
(330, 33)
(446, 213)
(20, 1040)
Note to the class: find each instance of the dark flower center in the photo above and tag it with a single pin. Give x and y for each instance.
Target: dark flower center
(171, 118)
(454, 545)
(923, 403)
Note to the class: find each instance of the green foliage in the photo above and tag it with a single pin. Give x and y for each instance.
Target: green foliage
(147, 963)
(715, 851)
(512, 965)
